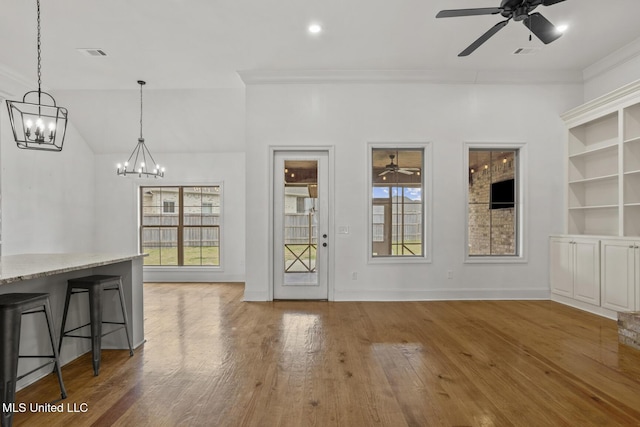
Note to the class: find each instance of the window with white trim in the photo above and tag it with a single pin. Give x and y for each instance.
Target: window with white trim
(494, 202)
(397, 206)
(180, 226)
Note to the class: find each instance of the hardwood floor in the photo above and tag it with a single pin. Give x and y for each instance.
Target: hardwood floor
(212, 360)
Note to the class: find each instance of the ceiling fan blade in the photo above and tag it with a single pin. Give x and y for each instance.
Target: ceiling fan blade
(483, 38)
(541, 27)
(404, 171)
(468, 12)
(551, 2)
(384, 172)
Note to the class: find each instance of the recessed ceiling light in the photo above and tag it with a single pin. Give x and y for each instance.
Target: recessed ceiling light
(562, 28)
(315, 28)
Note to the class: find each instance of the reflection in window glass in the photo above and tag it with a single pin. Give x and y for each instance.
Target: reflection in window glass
(397, 203)
(493, 203)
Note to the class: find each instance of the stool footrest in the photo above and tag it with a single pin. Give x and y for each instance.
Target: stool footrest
(18, 378)
(67, 334)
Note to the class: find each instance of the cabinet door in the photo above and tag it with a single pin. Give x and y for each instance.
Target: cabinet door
(561, 266)
(586, 271)
(618, 275)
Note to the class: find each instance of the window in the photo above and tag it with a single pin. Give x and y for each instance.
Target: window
(169, 207)
(494, 202)
(397, 205)
(180, 226)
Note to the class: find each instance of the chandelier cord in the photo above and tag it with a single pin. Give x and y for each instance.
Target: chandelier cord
(39, 55)
(141, 110)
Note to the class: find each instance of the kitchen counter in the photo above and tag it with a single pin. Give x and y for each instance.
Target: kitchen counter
(14, 268)
(49, 273)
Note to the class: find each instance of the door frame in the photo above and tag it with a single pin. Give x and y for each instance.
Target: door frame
(329, 149)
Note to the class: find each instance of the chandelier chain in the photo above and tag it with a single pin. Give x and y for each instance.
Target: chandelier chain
(39, 51)
(140, 110)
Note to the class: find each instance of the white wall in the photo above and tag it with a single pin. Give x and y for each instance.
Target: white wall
(348, 116)
(47, 197)
(116, 209)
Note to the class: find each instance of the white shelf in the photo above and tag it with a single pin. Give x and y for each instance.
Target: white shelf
(632, 172)
(632, 140)
(632, 204)
(595, 179)
(579, 208)
(610, 145)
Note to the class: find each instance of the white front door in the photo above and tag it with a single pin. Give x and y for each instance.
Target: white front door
(300, 224)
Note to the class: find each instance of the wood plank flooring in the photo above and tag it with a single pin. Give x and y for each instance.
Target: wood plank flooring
(212, 360)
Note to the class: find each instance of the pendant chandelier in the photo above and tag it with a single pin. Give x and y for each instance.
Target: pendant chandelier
(140, 158)
(38, 126)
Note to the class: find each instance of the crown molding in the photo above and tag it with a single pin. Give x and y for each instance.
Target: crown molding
(604, 103)
(261, 77)
(613, 60)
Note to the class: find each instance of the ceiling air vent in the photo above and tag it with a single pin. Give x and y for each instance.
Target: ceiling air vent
(92, 52)
(526, 50)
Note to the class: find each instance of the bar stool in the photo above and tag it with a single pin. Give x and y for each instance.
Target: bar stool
(12, 307)
(94, 286)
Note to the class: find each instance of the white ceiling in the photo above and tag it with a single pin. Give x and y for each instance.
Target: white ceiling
(182, 47)
(202, 43)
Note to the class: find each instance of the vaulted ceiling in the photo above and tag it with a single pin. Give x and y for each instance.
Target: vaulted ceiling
(192, 45)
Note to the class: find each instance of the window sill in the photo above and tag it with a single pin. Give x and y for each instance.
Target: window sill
(182, 267)
(495, 260)
(400, 260)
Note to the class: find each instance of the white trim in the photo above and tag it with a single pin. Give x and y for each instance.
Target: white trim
(221, 229)
(444, 294)
(605, 104)
(613, 60)
(427, 201)
(522, 226)
(188, 274)
(272, 149)
(255, 77)
(600, 311)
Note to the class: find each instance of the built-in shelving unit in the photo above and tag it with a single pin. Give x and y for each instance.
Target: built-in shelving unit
(593, 151)
(595, 266)
(603, 165)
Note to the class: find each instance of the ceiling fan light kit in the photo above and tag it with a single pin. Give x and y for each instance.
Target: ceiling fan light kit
(519, 11)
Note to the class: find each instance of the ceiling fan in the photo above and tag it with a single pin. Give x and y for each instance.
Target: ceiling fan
(393, 167)
(518, 10)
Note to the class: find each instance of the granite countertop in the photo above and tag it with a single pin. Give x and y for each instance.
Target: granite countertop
(14, 268)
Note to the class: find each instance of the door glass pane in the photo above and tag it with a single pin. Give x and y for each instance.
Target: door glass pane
(300, 222)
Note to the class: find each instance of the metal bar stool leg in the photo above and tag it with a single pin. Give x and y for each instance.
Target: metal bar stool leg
(56, 355)
(10, 339)
(95, 315)
(64, 317)
(124, 316)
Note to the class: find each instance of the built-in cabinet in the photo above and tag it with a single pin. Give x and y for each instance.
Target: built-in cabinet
(596, 265)
(620, 265)
(575, 270)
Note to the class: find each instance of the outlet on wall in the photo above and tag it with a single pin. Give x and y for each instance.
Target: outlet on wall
(354, 275)
(449, 274)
